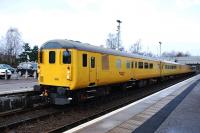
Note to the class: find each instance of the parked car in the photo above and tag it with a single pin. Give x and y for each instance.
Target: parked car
(8, 67)
(30, 67)
(3, 71)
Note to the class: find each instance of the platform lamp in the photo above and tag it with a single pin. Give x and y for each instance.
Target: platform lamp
(118, 34)
(160, 48)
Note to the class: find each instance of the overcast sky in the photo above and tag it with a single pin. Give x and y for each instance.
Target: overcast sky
(176, 23)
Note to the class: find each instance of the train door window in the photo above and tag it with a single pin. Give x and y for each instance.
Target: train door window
(52, 57)
(128, 64)
(105, 62)
(84, 58)
(132, 64)
(140, 65)
(66, 57)
(118, 63)
(135, 64)
(92, 62)
(151, 65)
(146, 65)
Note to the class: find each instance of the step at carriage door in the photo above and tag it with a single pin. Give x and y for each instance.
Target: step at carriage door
(93, 70)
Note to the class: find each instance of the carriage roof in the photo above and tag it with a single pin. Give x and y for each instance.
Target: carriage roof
(70, 44)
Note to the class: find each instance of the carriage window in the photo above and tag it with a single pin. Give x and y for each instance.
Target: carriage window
(140, 64)
(128, 64)
(52, 57)
(92, 62)
(135, 64)
(105, 62)
(118, 63)
(132, 64)
(66, 57)
(84, 57)
(151, 65)
(146, 65)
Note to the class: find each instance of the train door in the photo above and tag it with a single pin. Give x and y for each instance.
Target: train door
(93, 70)
(161, 69)
(132, 70)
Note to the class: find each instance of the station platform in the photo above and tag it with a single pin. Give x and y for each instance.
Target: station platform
(174, 109)
(16, 86)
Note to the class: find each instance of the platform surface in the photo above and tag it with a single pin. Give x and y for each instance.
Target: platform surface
(13, 86)
(186, 117)
(175, 109)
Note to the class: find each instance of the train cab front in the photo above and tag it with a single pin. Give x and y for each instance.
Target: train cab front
(55, 74)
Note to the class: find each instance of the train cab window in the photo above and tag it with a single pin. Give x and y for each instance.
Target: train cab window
(135, 64)
(146, 65)
(84, 58)
(92, 62)
(41, 57)
(118, 63)
(66, 57)
(140, 65)
(128, 64)
(151, 65)
(52, 57)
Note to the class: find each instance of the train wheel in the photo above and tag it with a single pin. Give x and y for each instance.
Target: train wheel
(141, 83)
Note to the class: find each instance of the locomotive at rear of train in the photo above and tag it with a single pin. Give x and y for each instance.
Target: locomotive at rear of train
(70, 70)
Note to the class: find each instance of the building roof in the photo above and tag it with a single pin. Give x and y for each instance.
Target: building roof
(188, 60)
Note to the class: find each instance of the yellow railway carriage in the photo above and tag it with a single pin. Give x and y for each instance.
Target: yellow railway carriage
(173, 68)
(66, 66)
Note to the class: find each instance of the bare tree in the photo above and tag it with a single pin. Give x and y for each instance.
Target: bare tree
(182, 54)
(102, 46)
(136, 47)
(13, 44)
(1, 46)
(111, 42)
(175, 54)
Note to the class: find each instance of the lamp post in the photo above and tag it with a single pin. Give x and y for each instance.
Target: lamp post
(160, 48)
(118, 34)
(27, 60)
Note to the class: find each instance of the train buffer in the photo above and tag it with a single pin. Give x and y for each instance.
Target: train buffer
(174, 109)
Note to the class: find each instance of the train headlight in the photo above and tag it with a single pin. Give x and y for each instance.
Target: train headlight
(68, 75)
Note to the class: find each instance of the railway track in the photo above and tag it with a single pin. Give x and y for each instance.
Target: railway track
(15, 118)
(58, 120)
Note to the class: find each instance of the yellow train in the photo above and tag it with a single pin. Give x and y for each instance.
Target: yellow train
(69, 69)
